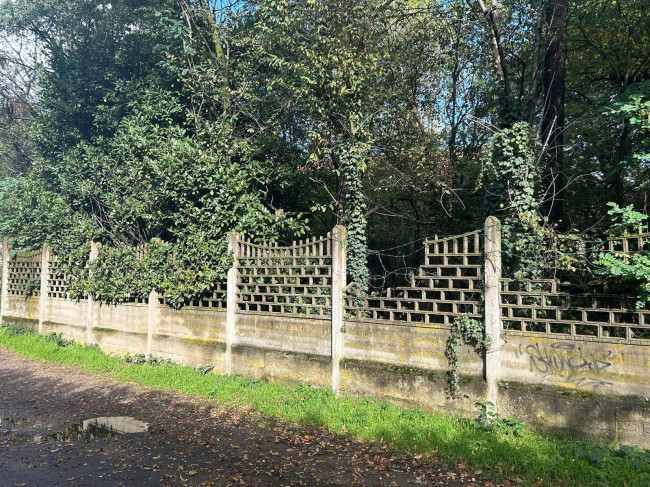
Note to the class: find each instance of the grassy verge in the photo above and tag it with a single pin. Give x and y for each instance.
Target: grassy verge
(497, 453)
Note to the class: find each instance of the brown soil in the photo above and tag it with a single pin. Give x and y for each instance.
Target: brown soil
(190, 441)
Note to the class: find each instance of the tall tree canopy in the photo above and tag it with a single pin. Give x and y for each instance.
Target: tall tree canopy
(178, 121)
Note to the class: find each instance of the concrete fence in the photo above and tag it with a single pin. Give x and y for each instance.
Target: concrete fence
(560, 362)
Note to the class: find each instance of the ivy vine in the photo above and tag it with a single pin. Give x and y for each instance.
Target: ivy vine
(511, 174)
(352, 165)
(464, 330)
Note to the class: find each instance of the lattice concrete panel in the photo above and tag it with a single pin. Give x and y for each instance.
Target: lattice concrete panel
(448, 284)
(292, 280)
(538, 306)
(216, 299)
(629, 243)
(56, 281)
(24, 274)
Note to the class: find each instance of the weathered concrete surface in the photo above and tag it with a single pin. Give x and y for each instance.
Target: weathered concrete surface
(601, 417)
(21, 307)
(65, 316)
(410, 387)
(415, 346)
(119, 328)
(303, 335)
(590, 366)
(282, 366)
(191, 336)
(582, 387)
(190, 442)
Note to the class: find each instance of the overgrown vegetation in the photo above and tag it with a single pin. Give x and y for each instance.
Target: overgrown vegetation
(491, 420)
(141, 358)
(634, 267)
(512, 173)
(171, 123)
(493, 448)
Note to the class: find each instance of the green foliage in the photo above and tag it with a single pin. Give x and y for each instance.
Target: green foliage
(610, 457)
(351, 167)
(511, 175)
(624, 220)
(633, 106)
(57, 338)
(32, 214)
(142, 359)
(144, 153)
(330, 63)
(204, 369)
(32, 285)
(15, 330)
(633, 267)
(490, 420)
(272, 116)
(464, 330)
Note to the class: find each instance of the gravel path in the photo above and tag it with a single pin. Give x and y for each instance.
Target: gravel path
(189, 442)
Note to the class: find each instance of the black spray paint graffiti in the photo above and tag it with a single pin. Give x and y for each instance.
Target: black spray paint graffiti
(568, 361)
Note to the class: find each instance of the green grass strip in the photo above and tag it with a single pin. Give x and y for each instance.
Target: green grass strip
(533, 459)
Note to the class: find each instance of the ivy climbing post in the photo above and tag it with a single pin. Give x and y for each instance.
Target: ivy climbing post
(231, 299)
(339, 272)
(492, 276)
(42, 298)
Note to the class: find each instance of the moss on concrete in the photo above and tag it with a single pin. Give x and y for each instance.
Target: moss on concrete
(205, 343)
(385, 368)
(16, 321)
(105, 330)
(579, 395)
(245, 349)
(54, 323)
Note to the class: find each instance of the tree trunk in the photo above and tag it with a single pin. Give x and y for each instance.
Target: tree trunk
(553, 84)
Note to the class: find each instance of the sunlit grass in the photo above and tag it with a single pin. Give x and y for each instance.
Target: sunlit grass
(532, 459)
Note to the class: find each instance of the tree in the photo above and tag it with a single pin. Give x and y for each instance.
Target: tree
(553, 120)
(134, 146)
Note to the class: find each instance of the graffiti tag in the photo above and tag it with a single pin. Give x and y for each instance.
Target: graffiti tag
(568, 361)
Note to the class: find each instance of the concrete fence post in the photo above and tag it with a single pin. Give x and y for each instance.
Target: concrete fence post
(492, 276)
(153, 312)
(152, 318)
(5, 277)
(231, 299)
(90, 312)
(339, 277)
(45, 275)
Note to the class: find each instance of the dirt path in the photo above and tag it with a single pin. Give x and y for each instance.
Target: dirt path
(190, 442)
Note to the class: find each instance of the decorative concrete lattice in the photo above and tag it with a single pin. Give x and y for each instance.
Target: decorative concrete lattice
(56, 279)
(217, 299)
(24, 274)
(140, 251)
(292, 280)
(448, 284)
(629, 243)
(538, 306)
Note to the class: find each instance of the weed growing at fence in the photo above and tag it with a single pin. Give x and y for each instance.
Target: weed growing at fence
(141, 358)
(58, 339)
(15, 330)
(204, 369)
(491, 420)
(527, 458)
